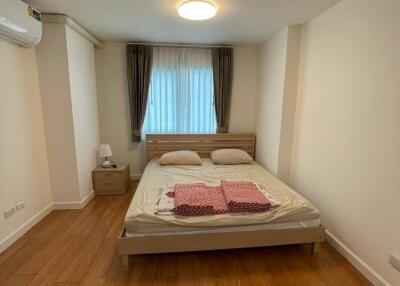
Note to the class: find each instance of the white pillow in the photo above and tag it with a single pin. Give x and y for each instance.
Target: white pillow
(180, 158)
(230, 157)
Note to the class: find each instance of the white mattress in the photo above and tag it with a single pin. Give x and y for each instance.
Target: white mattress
(267, 226)
(141, 217)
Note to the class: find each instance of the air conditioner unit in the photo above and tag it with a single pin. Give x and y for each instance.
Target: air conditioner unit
(20, 23)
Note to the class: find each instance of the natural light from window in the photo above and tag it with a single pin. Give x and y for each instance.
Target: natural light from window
(181, 93)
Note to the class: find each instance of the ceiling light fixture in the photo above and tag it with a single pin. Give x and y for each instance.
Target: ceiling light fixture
(197, 10)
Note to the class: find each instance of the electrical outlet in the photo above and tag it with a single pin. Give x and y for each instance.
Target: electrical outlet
(9, 212)
(395, 261)
(20, 205)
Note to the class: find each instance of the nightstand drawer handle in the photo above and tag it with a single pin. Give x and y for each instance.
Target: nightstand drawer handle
(108, 183)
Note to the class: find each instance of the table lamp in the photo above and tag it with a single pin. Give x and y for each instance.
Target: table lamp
(105, 152)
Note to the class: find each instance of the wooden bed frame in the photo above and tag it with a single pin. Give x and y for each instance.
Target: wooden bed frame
(203, 145)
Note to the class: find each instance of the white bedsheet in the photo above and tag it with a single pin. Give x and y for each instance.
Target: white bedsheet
(141, 217)
(227, 229)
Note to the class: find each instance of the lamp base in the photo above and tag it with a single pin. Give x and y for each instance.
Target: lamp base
(106, 164)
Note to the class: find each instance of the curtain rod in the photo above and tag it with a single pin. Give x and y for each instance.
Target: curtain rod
(180, 45)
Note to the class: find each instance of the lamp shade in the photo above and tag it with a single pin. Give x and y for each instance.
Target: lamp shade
(105, 150)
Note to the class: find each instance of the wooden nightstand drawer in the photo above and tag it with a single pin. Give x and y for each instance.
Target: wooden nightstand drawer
(114, 182)
(109, 176)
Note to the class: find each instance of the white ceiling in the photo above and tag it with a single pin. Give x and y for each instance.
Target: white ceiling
(237, 21)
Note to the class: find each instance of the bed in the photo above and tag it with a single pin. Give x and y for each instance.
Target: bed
(296, 221)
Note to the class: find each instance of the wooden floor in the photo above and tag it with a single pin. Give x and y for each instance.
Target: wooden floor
(78, 247)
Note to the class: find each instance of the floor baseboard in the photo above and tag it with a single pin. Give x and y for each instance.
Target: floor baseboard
(15, 235)
(20, 231)
(74, 205)
(356, 261)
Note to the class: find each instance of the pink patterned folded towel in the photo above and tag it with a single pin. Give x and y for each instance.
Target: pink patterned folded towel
(244, 197)
(192, 200)
(217, 199)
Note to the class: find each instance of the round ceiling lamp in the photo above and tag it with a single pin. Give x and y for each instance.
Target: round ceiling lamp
(197, 10)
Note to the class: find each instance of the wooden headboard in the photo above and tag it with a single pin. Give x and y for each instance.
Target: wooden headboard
(203, 144)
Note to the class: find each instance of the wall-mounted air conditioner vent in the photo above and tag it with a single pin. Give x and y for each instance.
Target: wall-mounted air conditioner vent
(20, 23)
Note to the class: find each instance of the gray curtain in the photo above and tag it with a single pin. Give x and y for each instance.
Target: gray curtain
(222, 61)
(139, 62)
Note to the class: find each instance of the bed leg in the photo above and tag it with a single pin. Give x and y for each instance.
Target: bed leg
(315, 247)
(125, 260)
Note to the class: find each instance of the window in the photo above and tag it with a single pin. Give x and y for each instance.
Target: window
(181, 93)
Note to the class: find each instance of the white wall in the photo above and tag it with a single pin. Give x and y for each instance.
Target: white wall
(114, 105)
(23, 164)
(289, 102)
(270, 98)
(69, 97)
(278, 78)
(82, 77)
(52, 58)
(346, 151)
(244, 89)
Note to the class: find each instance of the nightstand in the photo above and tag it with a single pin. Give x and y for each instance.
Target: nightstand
(111, 181)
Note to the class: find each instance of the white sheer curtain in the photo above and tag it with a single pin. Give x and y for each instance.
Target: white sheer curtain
(181, 91)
